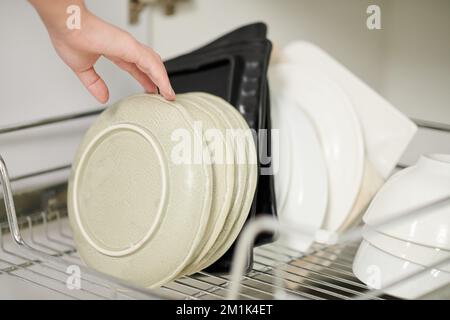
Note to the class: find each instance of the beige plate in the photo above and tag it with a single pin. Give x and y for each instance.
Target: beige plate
(130, 206)
(214, 132)
(246, 183)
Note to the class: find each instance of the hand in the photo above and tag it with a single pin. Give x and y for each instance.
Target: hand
(81, 48)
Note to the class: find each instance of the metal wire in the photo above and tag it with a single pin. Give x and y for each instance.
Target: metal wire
(324, 272)
(280, 271)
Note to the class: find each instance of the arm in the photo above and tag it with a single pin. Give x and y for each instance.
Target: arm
(81, 48)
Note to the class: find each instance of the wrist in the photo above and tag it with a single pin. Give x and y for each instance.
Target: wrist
(60, 17)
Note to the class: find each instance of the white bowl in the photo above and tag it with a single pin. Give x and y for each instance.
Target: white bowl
(411, 188)
(381, 270)
(422, 255)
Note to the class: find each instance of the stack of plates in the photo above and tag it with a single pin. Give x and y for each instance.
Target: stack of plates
(234, 67)
(338, 140)
(161, 189)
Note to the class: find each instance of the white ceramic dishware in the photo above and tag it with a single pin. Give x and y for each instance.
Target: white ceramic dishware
(419, 185)
(339, 132)
(131, 208)
(306, 199)
(387, 132)
(372, 182)
(381, 270)
(281, 154)
(422, 255)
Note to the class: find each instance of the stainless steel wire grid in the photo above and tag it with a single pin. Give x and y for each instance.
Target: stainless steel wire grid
(38, 251)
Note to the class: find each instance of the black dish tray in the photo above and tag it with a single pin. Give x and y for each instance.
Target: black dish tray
(234, 67)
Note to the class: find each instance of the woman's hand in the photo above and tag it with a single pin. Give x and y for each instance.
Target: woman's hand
(81, 48)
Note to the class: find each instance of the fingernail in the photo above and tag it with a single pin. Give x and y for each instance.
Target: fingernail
(172, 93)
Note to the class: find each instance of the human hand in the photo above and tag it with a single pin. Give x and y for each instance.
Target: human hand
(81, 48)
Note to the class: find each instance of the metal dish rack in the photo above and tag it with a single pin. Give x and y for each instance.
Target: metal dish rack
(38, 249)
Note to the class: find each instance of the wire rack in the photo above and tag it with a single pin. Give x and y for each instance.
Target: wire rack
(38, 251)
(321, 273)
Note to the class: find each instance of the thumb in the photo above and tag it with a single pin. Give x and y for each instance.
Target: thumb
(94, 83)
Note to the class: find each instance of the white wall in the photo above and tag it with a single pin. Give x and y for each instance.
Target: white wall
(417, 58)
(408, 61)
(337, 26)
(34, 82)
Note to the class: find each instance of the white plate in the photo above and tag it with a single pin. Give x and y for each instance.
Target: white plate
(246, 184)
(281, 154)
(372, 182)
(387, 132)
(381, 270)
(307, 195)
(131, 208)
(223, 170)
(409, 251)
(339, 132)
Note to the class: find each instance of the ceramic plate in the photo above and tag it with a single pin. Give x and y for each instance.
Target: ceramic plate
(223, 170)
(307, 195)
(387, 132)
(126, 193)
(281, 154)
(339, 132)
(248, 183)
(372, 182)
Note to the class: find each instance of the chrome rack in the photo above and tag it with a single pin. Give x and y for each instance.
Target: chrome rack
(40, 251)
(323, 272)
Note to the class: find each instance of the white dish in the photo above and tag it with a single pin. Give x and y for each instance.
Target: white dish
(372, 182)
(125, 195)
(246, 159)
(223, 170)
(422, 255)
(381, 270)
(339, 132)
(387, 132)
(281, 154)
(307, 192)
(411, 188)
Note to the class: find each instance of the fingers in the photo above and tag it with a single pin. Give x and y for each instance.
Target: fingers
(146, 60)
(94, 84)
(140, 76)
(150, 63)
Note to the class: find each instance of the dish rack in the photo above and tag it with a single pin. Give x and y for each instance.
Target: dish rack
(37, 248)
